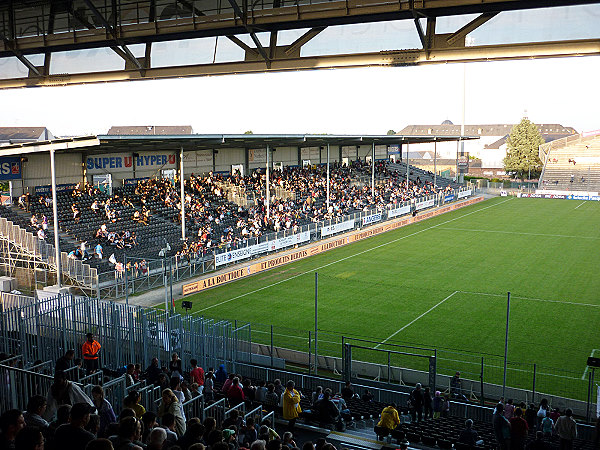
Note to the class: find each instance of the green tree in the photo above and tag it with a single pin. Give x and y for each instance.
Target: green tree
(391, 132)
(523, 149)
(248, 132)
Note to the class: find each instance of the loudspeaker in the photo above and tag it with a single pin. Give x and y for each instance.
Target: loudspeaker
(593, 362)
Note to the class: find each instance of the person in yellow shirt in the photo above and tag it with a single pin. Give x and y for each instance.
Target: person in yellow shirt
(291, 404)
(389, 420)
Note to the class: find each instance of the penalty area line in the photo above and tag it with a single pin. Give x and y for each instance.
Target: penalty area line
(414, 320)
(348, 257)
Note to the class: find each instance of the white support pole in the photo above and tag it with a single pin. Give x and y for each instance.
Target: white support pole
(268, 190)
(328, 176)
(407, 166)
(182, 194)
(373, 171)
(435, 163)
(55, 213)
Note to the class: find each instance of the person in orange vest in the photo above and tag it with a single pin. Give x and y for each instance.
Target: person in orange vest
(90, 350)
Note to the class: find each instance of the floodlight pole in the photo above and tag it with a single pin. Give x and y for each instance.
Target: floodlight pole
(268, 190)
(182, 194)
(55, 213)
(316, 320)
(373, 172)
(506, 345)
(328, 177)
(126, 280)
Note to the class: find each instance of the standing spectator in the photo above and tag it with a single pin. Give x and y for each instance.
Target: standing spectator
(36, 407)
(416, 400)
(261, 391)
(291, 405)
(542, 412)
(65, 362)
(209, 385)
(227, 383)
(63, 392)
(129, 371)
(271, 398)
(153, 372)
(73, 435)
(456, 387)
(438, 403)
(170, 404)
(531, 416)
(509, 409)
(197, 375)
(566, 428)
(90, 350)
(518, 430)
(175, 366)
(11, 422)
(235, 393)
(427, 404)
(501, 427)
(104, 408)
(547, 426)
(221, 374)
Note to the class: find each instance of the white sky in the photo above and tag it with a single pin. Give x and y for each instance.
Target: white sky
(345, 101)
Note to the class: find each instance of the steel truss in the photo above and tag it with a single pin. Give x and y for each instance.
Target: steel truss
(48, 26)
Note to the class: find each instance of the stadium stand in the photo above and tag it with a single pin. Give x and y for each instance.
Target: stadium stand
(138, 220)
(574, 167)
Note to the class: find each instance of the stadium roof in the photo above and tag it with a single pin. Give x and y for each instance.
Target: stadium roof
(120, 143)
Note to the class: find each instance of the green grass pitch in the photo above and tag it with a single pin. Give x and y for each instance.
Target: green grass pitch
(442, 284)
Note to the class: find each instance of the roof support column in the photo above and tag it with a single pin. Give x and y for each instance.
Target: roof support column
(268, 184)
(182, 194)
(435, 163)
(373, 171)
(407, 165)
(55, 213)
(328, 177)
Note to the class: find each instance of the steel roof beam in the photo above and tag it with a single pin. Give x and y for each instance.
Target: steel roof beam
(471, 26)
(306, 37)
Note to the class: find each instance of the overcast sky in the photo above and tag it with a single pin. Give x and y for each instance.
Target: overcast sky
(349, 101)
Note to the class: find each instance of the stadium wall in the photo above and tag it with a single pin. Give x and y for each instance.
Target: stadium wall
(243, 271)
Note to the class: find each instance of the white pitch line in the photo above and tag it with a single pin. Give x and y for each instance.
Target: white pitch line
(587, 367)
(350, 256)
(521, 233)
(533, 299)
(580, 204)
(414, 320)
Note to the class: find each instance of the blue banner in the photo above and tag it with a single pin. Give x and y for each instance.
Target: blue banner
(448, 198)
(10, 168)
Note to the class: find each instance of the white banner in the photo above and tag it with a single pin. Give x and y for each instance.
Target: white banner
(464, 194)
(252, 250)
(337, 227)
(398, 211)
(426, 204)
(373, 218)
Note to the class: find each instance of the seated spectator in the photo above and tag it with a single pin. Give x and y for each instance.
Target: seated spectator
(73, 435)
(271, 398)
(133, 401)
(103, 408)
(235, 394)
(129, 435)
(157, 439)
(325, 411)
(36, 407)
(469, 436)
(63, 392)
(168, 423)
(11, 422)
(347, 391)
(93, 425)
(389, 420)
(29, 438)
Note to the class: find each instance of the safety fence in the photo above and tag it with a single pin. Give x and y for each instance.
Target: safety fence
(43, 330)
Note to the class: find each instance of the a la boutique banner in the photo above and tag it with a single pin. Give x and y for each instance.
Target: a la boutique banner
(337, 227)
(253, 250)
(10, 168)
(124, 162)
(464, 194)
